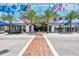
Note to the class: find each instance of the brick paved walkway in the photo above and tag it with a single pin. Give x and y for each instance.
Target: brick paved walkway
(38, 47)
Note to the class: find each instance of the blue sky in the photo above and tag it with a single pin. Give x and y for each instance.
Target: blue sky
(39, 8)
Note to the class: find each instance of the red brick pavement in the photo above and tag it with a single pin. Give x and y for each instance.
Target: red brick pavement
(38, 47)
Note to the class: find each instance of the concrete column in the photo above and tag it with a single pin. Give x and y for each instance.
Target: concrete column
(52, 28)
(5, 28)
(64, 29)
(27, 28)
(32, 28)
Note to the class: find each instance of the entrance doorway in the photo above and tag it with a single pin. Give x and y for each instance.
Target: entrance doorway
(40, 27)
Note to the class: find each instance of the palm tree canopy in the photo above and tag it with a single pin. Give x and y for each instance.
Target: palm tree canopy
(23, 14)
(72, 15)
(50, 14)
(2, 17)
(7, 17)
(30, 14)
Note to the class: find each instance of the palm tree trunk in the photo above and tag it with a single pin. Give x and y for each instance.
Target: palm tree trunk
(70, 26)
(59, 28)
(10, 27)
(32, 28)
(47, 26)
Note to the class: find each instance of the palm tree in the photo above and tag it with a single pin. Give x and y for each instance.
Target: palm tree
(49, 14)
(70, 16)
(30, 14)
(9, 18)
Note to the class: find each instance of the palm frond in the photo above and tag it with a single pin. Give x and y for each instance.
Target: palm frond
(7, 17)
(31, 15)
(72, 15)
(49, 14)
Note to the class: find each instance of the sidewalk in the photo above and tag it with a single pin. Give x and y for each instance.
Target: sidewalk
(64, 44)
(12, 44)
(38, 47)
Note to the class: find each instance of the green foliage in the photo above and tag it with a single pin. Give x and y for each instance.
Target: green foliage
(2, 17)
(30, 14)
(7, 17)
(72, 15)
(23, 14)
(49, 14)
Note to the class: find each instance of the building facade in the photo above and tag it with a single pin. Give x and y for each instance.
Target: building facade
(16, 9)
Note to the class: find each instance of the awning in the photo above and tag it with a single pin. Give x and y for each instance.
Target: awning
(2, 23)
(75, 21)
(27, 21)
(62, 21)
(59, 22)
(14, 22)
(17, 21)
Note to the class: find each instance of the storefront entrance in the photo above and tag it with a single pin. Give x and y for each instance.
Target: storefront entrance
(40, 27)
(66, 29)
